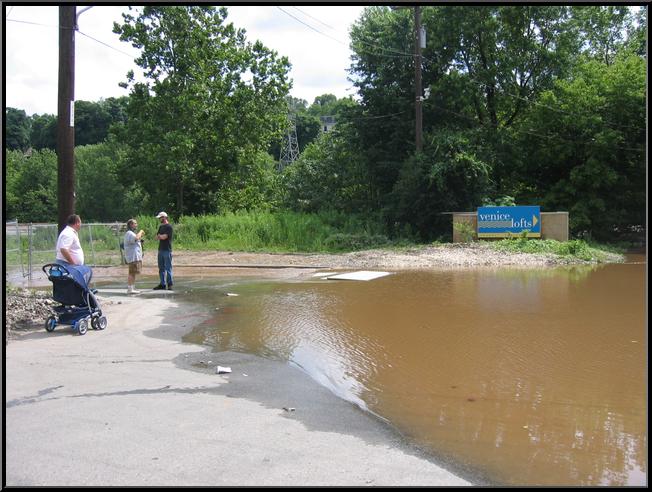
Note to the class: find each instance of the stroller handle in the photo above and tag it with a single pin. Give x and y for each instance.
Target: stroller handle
(56, 267)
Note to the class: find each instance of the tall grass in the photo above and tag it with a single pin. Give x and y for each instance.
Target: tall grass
(274, 232)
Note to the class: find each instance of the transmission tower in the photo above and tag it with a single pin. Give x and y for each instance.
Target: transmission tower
(290, 146)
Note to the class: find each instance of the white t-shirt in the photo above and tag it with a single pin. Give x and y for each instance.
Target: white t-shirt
(69, 240)
(133, 248)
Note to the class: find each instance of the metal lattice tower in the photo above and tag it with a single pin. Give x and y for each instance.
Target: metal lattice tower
(290, 147)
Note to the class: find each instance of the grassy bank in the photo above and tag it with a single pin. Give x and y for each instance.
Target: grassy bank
(273, 232)
(281, 232)
(332, 232)
(574, 249)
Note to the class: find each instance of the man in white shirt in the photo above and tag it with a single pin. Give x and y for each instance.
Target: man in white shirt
(69, 249)
(68, 245)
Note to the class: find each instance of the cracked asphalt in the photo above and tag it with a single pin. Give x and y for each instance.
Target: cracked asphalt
(134, 406)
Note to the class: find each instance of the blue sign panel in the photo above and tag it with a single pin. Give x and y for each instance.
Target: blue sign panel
(509, 221)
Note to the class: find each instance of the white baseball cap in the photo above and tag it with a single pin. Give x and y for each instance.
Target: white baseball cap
(161, 214)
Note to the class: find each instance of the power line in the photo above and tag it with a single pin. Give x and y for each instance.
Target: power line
(314, 18)
(310, 27)
(107, 45)
(397, 55)
(375, 117)
(33, 23)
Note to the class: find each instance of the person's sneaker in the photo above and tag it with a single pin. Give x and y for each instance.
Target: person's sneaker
(170, 286)
(159, 287)
(133, 291)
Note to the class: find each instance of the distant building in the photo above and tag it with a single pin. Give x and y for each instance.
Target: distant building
(327, 123)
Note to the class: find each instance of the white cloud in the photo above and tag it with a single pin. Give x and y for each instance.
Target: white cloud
(319, 62)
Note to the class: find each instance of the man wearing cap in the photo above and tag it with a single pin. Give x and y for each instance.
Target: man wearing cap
(164, 237)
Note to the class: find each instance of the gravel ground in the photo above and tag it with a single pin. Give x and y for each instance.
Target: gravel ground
(26, 310)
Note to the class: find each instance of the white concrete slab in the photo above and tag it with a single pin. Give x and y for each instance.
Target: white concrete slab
(360, 275)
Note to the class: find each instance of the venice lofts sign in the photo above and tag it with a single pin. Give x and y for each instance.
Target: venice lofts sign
(509, 221)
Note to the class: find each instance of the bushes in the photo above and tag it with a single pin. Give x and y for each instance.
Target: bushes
(575, 248)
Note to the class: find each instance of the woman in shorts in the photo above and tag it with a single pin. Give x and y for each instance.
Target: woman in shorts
(133, 254)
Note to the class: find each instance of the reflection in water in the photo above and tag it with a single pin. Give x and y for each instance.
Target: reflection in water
(536, 376)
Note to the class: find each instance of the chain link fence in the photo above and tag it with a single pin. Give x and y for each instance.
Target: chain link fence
(29, 246)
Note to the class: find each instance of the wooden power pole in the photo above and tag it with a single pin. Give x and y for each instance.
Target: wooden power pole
(66, 115)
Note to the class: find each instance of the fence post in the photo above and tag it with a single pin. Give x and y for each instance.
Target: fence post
(29, 252)
(20, 249)
(90, 235)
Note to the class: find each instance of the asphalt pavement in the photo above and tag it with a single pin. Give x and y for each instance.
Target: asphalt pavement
(133, 405)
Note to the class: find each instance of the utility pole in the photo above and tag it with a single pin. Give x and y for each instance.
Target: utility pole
(66, 115)
(417, 79)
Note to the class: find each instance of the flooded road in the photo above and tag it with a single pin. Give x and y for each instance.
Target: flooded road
(532, 376)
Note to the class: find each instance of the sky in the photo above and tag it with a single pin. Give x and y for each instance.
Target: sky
(319, 59)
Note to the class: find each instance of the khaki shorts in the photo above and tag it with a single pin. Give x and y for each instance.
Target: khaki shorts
(135, 267)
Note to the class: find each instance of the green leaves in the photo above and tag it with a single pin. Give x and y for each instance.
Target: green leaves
(208, 93)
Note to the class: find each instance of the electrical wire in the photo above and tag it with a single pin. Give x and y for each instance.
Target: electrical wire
(314, 18)
(103, 43)
(398, 53)
(375, 117)
(310, 27)
(33, 23)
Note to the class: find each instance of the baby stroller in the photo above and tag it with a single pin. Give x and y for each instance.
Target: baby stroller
(79, 306)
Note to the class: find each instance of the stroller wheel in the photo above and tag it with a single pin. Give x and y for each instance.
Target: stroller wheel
(82, 326)
(99, 323)
(50, 323)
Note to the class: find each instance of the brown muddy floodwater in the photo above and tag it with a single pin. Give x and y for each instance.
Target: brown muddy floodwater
(535, 377)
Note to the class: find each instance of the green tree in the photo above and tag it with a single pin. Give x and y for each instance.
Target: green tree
(44, 131)
(588, 154)
(31, 186)
(209, 94)
(382, 70)
(447, 176)
(17, 129)
(327, 176)
(604, 28)
(101, 194)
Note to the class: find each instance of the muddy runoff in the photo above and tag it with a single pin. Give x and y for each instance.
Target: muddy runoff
(535, 376)
(534, 373)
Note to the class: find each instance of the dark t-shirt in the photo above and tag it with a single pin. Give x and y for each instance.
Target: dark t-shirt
(165, 244)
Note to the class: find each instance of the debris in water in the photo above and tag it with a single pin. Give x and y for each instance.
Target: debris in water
(231, 294)
(289, 409)
(360, 275)
(222, 370)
